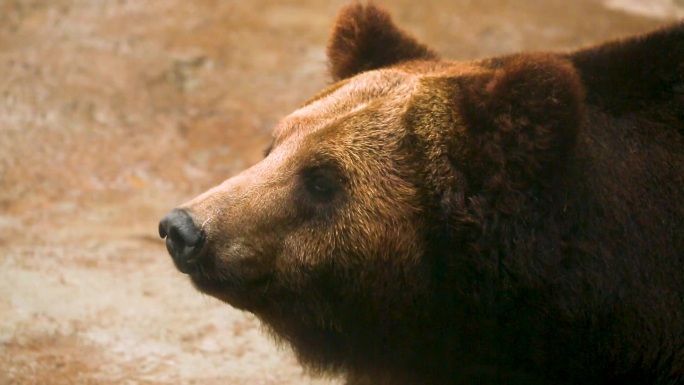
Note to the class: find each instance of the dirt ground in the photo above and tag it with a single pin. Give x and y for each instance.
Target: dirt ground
(112, 112)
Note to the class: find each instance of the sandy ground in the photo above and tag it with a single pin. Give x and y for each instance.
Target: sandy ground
(112, 112)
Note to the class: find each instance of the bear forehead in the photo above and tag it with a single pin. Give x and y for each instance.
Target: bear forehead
(382, 93)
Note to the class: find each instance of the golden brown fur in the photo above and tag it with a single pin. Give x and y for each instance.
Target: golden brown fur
(515, 220)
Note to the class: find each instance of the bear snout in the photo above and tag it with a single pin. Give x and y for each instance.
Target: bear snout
(184, 240)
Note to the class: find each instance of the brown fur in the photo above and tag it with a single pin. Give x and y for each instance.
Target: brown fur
(516, 220)
(364, 38)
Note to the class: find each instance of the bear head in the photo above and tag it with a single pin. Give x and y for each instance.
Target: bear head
(341, 236)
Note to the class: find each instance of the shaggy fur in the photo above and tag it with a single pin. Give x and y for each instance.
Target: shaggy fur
(516, 220)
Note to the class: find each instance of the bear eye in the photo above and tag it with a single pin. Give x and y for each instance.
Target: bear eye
(321, 186)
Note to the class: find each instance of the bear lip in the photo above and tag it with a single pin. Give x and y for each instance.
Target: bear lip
(244, 295)
(216, 285)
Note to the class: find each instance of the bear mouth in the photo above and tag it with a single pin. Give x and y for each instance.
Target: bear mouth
(239, 293)
(215, 283)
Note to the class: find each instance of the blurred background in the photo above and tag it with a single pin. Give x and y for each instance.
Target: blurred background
(112, 112)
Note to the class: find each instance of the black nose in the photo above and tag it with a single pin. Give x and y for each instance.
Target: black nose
(183, 239)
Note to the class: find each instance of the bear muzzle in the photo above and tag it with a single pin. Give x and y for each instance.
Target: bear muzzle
(184, 240)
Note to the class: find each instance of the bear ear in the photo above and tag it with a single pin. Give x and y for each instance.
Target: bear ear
(522, 116)
(365, 38)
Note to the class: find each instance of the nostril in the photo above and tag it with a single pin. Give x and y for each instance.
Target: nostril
(183, 238)
(179, 226)
(162, 228)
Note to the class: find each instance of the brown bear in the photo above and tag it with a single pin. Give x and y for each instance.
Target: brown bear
(515, 220)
